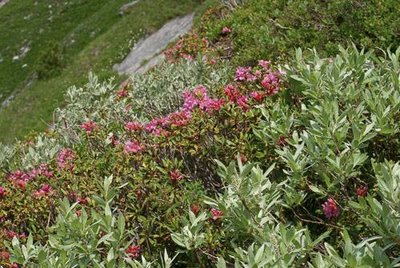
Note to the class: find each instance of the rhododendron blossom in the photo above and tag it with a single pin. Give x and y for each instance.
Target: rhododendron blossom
(195, 209)
(264, 64)
(19, 175)
(232, 92)
(132, 147)
(4, 255)
(65, 159)
(330, 208)
(242, 101)
(226, 30)
(45, 190)
(258, 96)
(11, 234)
(3, 192)
(244, 74)
(83, 200)
(133, 126)
(362, 191)
(175, 176)
(20, 184)
(216, 214)
(270, 83)
(122, 93)
(133, 251)
(89, 126)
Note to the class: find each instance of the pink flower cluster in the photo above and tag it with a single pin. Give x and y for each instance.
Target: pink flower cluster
(89, 126)
(133, 126)
(45, 190)
(216, 214)
(175, 176)
(133, 251)
(20, 178)
(331, 209)
(199, 98)
(243, 74)
(132, 147)
(11, 234)
(226, 30)
(65, 159)
(362, 191)
(3, 192)
(268, 80)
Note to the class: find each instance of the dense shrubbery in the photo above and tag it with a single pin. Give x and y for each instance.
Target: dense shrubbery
(321, 136)
(316, 182)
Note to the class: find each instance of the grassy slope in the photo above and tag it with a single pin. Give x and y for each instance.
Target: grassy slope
(33, 107)
(37, 23)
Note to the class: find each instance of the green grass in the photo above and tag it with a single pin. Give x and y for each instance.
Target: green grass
(32, 108)
(38, 24)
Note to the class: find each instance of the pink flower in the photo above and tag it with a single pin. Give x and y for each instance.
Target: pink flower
(362, 191)
(216, 214)
(195, 209)
(243, 158)
(213, 61)
(264, 64)
(89, 126)
(282, 141)
(3, 192)
(189, 101)
(258, 96)
(175, 176)
(132, 147)
(232, 92)
(78, 213)
(4, 255)
(43, 170)
(133, 126)
(10, 234)
(242, 101)
(133, 251)
(178, 119)
(20, 184)
(122, 93)
(330, 208)
(83, 200)
(19, 175)
(65, 159)
(226, 30)
(244, 74)
(45, 190)
(270, 83)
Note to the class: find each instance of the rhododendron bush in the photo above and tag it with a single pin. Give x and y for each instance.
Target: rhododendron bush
(315, 184)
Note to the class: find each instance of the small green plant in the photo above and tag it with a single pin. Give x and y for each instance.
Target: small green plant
(51, 62)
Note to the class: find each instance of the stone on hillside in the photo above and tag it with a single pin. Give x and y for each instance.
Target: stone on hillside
(125, 8)
(146, 53)
(3, 2)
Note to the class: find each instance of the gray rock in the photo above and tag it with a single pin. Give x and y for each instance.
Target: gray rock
(3, 2)
(148, 49)
(125, 8)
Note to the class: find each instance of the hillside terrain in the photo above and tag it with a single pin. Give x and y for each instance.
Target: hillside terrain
(267, 137)
(58, 44)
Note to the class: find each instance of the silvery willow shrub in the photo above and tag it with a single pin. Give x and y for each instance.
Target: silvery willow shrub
(142, 97)
(250, 231)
